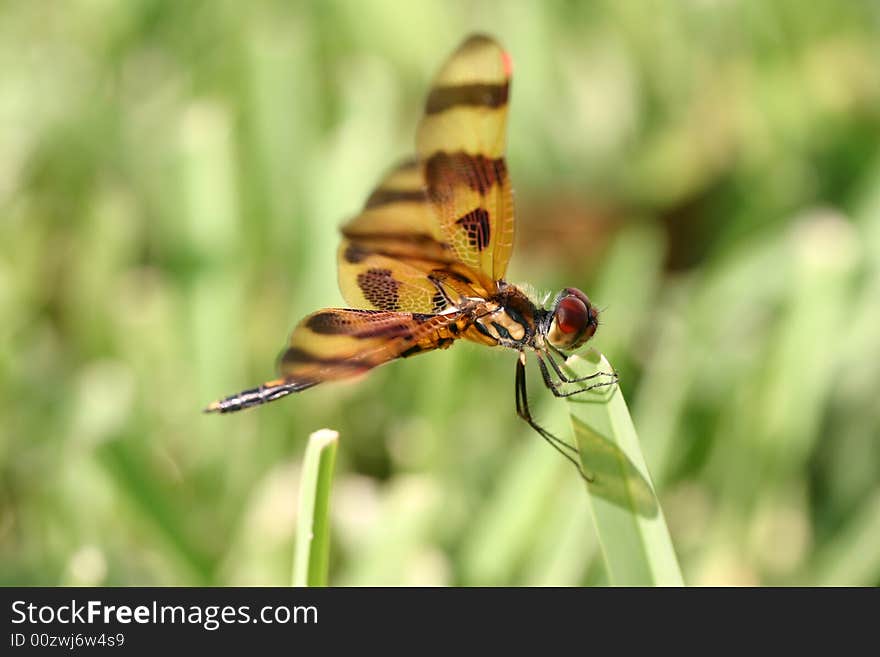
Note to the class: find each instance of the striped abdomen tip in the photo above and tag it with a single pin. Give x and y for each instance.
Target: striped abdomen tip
(254, 397)
(213, 407)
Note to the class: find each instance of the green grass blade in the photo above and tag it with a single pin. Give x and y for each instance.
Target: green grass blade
(312, 552)
(632, 532)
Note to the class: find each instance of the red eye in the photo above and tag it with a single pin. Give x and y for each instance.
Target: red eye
(571, 315)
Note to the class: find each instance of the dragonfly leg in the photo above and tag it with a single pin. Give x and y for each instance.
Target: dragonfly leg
(556, 386)
(563, 377)
(522, 409)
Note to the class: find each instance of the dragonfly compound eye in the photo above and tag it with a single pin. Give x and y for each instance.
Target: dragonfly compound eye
(572, 315)
(574, 320)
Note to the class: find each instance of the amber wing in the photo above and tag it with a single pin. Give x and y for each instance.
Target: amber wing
(393, 255)
(461, 142)
(339, 343)
(440, 227)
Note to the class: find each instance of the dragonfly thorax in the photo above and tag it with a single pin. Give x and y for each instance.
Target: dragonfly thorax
(509, 319)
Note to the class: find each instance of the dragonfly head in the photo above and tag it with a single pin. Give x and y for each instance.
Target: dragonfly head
(574, 320)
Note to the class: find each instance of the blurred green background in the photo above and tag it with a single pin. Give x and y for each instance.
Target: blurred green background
(172, 176)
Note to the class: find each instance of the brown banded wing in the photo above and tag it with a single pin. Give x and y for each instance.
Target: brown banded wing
(461, 142)
(446, 218)
(337, 343)
(340, 343)
(393, 255)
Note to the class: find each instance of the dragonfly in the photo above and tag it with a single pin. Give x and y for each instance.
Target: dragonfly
(423, 265)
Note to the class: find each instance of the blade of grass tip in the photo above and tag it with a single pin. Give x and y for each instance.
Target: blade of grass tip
(632, 532)
(312, 552)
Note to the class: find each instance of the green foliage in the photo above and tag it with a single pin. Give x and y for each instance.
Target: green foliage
(172, 176)
(636, 547)
(312, 555)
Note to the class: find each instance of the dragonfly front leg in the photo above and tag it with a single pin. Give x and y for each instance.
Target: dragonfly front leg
(556, 386)
(563, 377)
